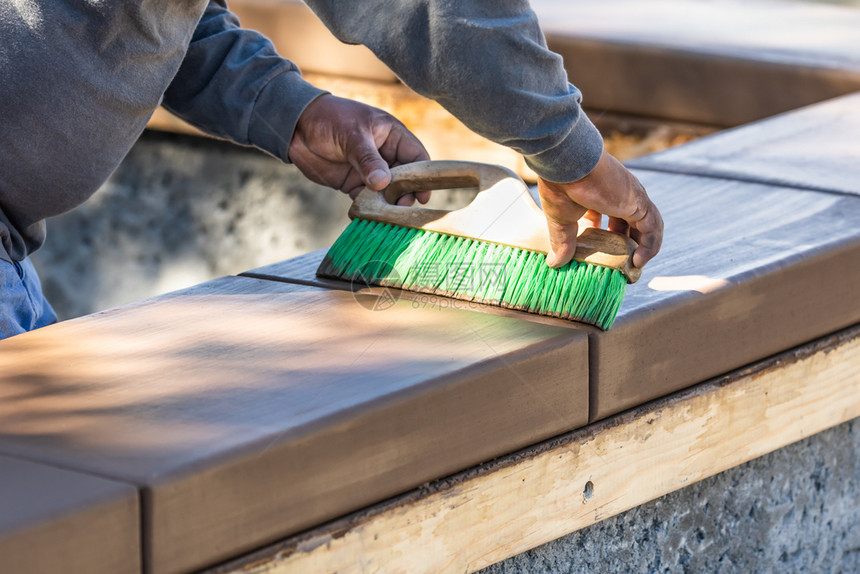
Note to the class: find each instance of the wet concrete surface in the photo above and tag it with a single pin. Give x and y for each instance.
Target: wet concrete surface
(815, 147)
(54, 520)
(724, 63)
(248, 410)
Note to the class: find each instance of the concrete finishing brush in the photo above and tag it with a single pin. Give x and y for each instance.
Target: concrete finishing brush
(492, 251)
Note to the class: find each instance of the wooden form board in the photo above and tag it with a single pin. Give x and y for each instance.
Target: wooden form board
(490, 513)
(56, 521)
(248, 410)
(816, 147)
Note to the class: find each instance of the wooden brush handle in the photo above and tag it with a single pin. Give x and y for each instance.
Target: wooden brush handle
(504, 211)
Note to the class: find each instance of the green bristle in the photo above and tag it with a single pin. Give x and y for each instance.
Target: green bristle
(356, 250)
(464, 279)
(341, 249)
(399, 248)
(556, 290)
(579, 302)
(460, 261)
(538, 297)
(450, 249)
(590, 290)
(424, 265)
(472, 270)
(511, 278)
(567, 289)
(613, 296)
(506, 260)
(523, 280)
(404, 264)
(394, 243)
(482, 284)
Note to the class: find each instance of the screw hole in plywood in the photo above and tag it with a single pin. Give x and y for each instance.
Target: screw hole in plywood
(588, 491)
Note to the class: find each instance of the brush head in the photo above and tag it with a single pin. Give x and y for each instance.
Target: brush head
(389, 255)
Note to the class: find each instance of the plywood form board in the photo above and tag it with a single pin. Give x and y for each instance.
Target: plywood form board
(746, 270)
(248, 410)
(56, 521)
(816, 147)
(518, 502)
(722, 63)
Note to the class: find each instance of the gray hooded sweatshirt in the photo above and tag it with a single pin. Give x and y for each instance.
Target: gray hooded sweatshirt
(79, 79)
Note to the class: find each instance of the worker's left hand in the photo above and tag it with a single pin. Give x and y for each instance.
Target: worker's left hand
(608, 190)
(348, 145)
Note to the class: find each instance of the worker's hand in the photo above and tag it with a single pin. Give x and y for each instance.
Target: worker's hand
(348, 145)
(608, 190)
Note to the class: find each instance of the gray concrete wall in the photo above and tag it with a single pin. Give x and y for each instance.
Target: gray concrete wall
(794, 510)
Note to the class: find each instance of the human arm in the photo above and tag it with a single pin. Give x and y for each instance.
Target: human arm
(486, 61)
(347, 145)
(234, 85)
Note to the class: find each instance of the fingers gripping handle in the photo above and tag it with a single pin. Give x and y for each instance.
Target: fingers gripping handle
(503, 211)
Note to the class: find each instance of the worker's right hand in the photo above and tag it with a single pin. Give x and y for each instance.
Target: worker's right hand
(347, 145)
(608, 190)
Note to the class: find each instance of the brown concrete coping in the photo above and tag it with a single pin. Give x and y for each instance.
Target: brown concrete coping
(722, 63)
(817, 147)
(746, 271)
(301, 270)
(59, 521)
(248, 410)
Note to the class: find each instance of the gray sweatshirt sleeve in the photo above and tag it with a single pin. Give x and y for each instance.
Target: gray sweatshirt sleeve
(233, 84)
(486, 62)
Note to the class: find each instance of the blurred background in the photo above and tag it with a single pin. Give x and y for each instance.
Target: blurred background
(184, 208)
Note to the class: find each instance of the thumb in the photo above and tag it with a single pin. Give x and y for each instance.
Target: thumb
(364, 157)
(562, 241)
(562, 217)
